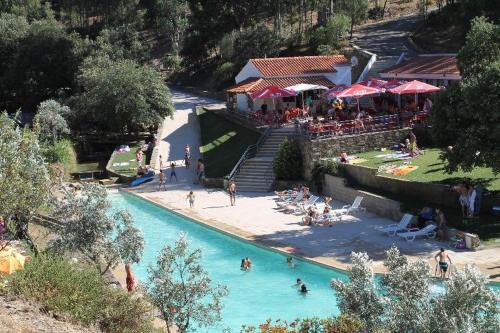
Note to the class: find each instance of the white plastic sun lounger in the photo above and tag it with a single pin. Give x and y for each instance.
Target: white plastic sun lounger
(292, 201)
(303, 207)
(349, 209)
(428, 231)
(402, 226)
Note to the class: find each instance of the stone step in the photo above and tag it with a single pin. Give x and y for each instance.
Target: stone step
(254, 189)
(255, 174)
(255, 177)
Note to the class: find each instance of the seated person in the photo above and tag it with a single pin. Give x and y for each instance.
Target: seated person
(343, 157)
(426, 214)
(141, 171)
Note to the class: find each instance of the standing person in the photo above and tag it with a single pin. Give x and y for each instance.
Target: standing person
(130, 279)
(187, 151)
(162, 166)
(442, 262)
(187, 161)
(441, 224)
(232, 192)
(138, 156)
(200, 170)
(470, 192)
(190, 197)
(172, 171)
(163, 181)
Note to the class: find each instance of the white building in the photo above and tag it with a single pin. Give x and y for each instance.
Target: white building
(257, 74)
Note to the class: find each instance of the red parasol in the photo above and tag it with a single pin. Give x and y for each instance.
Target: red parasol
(356, 90)
(335, 90)
(272, 92)
(414, 87)
(391, 84)
(374, 83)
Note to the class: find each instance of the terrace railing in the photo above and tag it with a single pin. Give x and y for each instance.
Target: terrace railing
(358, 126)
(250, 152)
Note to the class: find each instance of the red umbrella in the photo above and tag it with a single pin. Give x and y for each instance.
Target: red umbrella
(272, 92)
(414, 87)
(374, 83)
(357, 91)
(335, 90)
(391, 84)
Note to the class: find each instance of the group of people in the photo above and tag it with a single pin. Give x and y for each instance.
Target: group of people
(313, 214)
(410, 145)
(428, 214)
(467, 198)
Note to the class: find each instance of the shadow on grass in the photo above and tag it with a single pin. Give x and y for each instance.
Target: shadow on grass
(482, 182)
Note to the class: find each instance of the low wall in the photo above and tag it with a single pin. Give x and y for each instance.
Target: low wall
(314, 150)
(437, 194)
(336, 188)
(213, 182)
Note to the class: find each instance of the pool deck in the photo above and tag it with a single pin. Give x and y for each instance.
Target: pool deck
(255, 217)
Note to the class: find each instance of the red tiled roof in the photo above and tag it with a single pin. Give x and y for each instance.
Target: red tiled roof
(426, 65)
(254, 83)
(286, 66)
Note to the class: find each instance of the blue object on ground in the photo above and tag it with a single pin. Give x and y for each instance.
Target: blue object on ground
(141, 180)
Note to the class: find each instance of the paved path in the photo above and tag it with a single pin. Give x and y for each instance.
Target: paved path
(388, 38)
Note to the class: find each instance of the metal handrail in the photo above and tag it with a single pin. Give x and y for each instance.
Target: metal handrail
(250, 152)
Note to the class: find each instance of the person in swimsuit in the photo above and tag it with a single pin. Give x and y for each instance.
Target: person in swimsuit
(130, 279)
(303, 288)
(172, 171)
(190, 197)
(298, 283)
(163, 181)
(442, 262)
(248, 263)
(289, 261)
(162, 166)
(232, 193)
(243, 265)
(200, 170)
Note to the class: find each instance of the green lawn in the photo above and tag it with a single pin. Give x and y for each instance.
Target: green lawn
(431, 170)
(128, 159)
(222, 142)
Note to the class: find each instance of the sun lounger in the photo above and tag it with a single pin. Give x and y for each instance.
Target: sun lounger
(428, 231)
(291, 201)
(301, 207)
(402, 226)
(349, 209)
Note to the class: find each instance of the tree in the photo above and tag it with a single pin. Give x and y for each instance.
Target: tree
(24, 181)
(332, 37)
(50, 121)
(359, 296)
(482, 47)
(356, 10)
(255, 42)
(466, 117)
(170, 17)
(407, 302)
(181, 288)
(121, 96)
(467, 305)
(288, 163)
(122, 42)
(103, 238)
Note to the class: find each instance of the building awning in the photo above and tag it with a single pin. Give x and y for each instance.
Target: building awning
(254, 84)
(425, 67)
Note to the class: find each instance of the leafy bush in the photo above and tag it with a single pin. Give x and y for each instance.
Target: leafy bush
(255, 42)
(81, 293)
(224, 73)
(341, 324)
(172, 62)
(375, 13)
(288, 162)
(331, 37)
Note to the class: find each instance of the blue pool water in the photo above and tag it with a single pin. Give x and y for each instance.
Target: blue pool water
(254, 296)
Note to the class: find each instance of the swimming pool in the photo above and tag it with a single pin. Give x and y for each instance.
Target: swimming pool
(254, 296)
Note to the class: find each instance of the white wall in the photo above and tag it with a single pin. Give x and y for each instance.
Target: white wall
(249, 70)
(342, 76)
(241, 102)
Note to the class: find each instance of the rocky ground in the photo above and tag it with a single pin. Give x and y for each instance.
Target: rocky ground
(20, 316)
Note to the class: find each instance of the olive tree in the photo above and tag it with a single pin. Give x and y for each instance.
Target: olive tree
(181, 288)
(359, 297)
(407, 286)
(50, 121)
(24, 179)
(102, 237)
(467, 305)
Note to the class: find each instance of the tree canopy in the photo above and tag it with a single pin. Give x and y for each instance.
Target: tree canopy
(120, 96)
(465, 118)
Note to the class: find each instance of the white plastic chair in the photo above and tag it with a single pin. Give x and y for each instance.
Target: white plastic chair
(402, 226)
(428, 231)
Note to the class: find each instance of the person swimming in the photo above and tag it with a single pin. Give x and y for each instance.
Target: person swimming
(243, 265)
(298, 283)
(248, 263)
(289, 261)
(303, 288)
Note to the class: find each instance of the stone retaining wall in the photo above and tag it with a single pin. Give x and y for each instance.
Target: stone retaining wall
(314, 150)
(336, 188)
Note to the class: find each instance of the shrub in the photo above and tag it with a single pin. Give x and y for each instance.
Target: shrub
(341, 324)
(81, 293)
(288, 162)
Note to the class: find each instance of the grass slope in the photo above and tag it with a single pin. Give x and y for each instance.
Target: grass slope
(222, 142)
(431, 170)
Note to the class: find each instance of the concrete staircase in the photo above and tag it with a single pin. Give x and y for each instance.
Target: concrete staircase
(256, 174)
